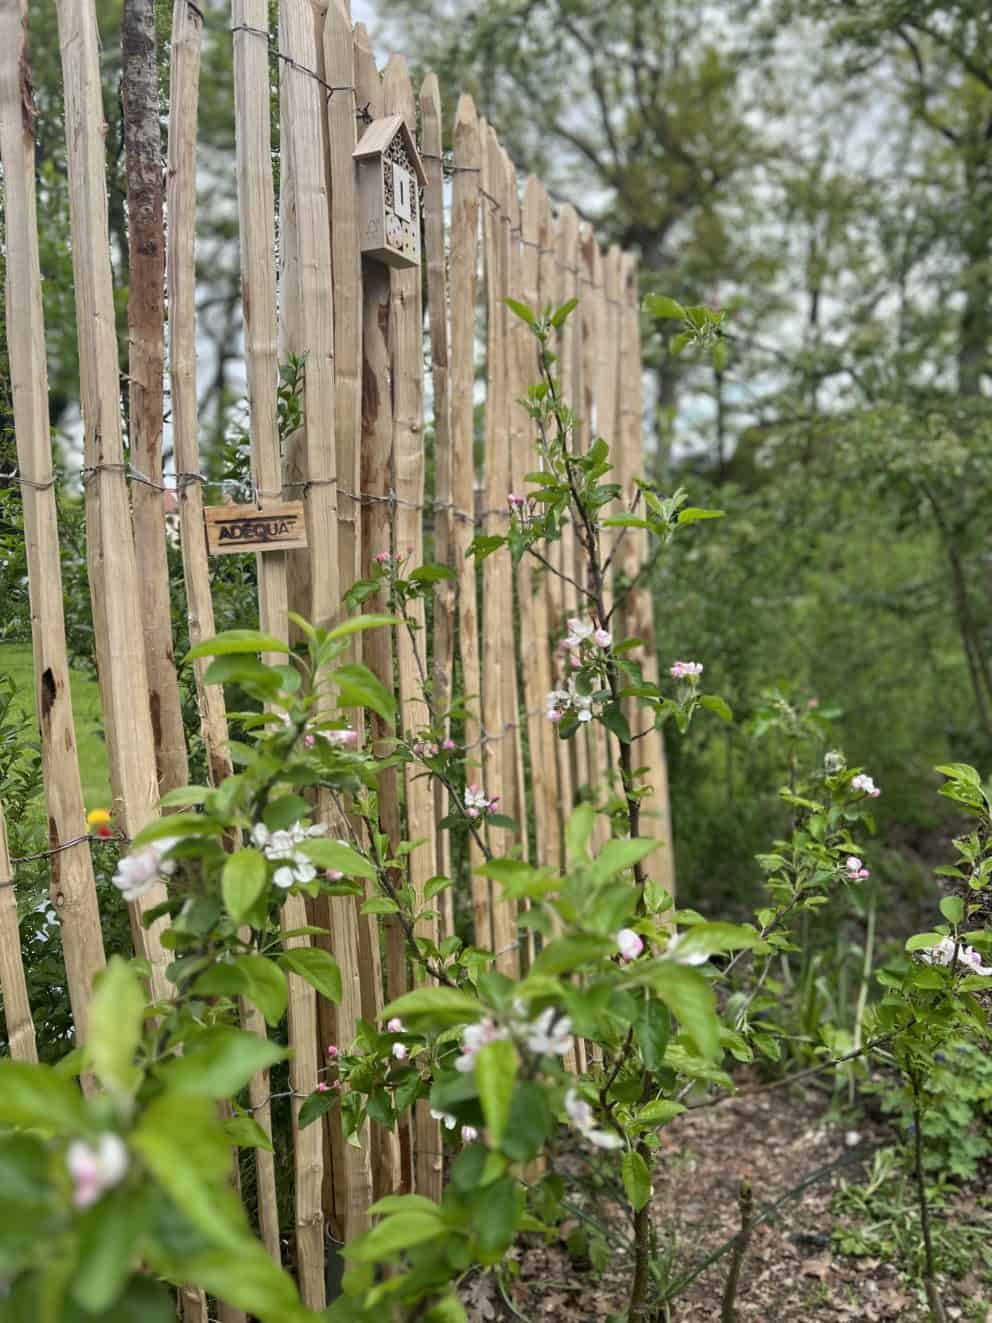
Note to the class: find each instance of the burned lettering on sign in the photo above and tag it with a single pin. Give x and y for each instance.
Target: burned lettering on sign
(275, 526)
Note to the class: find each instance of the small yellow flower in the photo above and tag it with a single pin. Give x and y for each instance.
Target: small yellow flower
(98, 821)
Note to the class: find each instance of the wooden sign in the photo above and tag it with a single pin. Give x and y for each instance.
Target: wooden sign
(275, 526)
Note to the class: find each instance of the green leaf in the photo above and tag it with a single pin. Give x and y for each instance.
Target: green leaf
(394, 1235)
(243, 669)
(317, 1105)
(237, 640)
(432, 574)
(923, 941)
(692, 515)
(243, 880)
(636, 1180)
(690, 999)
(952, 908)
(38, 1098)
(652, 1029)
(247, 1133)
(358, 687)
(710, 939)
(265, 985)
(116, 1019)
(626, 521)
(572, 952)
(529, 1123)
(445, 1006)
(219, 1063)
(177, 824)
(317, 967)
(615, 721)
(404, 1203)
(495, 1214)
(714, 703)
(183, 1145)
(248, 1279)
(522, 311)
(495, 1074)
(355, 624)
(184, 797)
(959, 772)
(561, 315)
(617, 855)
(380, 905)
(338, 857)
(108, 1238)
(485, 545)
(578, 830)
(660, 1112)
(663, 307)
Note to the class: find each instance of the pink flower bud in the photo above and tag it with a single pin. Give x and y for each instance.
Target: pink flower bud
(383, 558)
(395, 1025)
(334, 875)
(603, 638)
(629, 944)
(333, 1050)
(400, 1051)
(448, 745)
(555, 716)
(469, 1134)
(308, 741)
(322, 1087)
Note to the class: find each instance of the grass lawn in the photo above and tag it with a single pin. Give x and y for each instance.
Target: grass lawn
(16, 661)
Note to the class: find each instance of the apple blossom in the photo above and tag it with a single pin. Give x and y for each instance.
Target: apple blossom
(96, 1168)
(629, 944)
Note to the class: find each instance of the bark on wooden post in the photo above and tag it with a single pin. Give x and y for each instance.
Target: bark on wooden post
(73, 891)
(639, 609)
(146, 366)
(437, 308)
(407, 325)
(114, 587)
(464, 296)
(16, 1007)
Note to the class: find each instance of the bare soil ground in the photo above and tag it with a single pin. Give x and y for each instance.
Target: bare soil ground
(777, 1140)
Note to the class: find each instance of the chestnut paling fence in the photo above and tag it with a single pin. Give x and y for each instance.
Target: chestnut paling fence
(357, 460)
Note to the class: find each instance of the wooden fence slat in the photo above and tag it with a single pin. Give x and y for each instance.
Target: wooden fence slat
(184, 81)
(181, 276)
(444, 516)
(549, 297)
(146, 368)
(21, 1041)
(110, 544)
(532, 585)
(464, 295)
(639, 608)
(73, 892)
(309, 294)
(407, 328)
(498, 760)
(257, 214)
(589, 312)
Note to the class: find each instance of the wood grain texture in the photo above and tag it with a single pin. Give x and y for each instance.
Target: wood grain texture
(445, 597)
(73, 891)
(146, 371)
(407, 350)
(464, 264)
(21, 1040)
(114, 587)
(639, 609)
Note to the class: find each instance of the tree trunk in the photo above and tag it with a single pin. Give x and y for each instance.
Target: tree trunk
(145, 318)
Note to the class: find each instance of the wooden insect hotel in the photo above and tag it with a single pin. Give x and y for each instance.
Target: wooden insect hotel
(390, 177)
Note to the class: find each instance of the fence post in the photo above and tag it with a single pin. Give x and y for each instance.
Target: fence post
(639, 609)
(257, 213)
(437, 309)
(395, 1169)
(407, 324)
(110, 543)
(73, 892)
(16, 1006)
(464, 296)
(146, 367)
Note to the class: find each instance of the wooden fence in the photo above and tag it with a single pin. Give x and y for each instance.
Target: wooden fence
(358, 462)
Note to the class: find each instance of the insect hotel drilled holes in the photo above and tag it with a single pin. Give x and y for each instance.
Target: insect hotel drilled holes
(390, 177)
